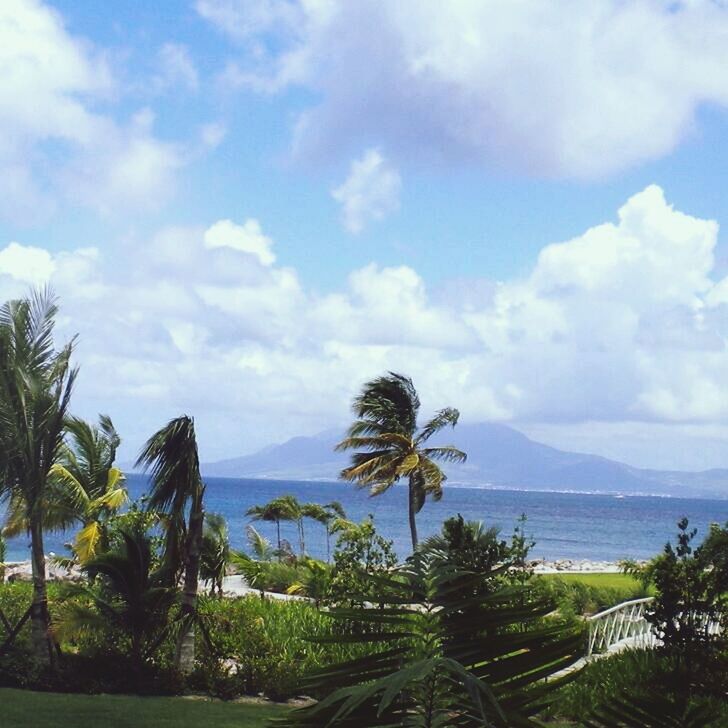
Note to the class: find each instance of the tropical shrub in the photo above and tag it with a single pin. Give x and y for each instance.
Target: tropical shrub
(440, 655)
(126, 603)
(634, 688)
(263, 645)
(360, 553)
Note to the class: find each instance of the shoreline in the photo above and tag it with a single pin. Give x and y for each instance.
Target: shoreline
(21, 570)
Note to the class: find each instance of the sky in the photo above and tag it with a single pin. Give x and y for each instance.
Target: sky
(248, 208)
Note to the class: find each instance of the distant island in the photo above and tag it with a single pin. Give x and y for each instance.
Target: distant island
(498, 456)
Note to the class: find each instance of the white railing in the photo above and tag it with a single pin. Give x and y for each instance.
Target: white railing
(624, 625)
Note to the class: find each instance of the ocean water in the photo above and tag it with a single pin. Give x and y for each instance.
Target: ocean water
(564, 525)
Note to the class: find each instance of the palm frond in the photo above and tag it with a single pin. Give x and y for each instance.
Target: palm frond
(170, 456)
(447, 416)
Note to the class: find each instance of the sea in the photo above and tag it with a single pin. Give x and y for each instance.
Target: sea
(564, 525)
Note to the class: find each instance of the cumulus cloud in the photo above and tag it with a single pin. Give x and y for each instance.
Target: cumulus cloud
(556, 89)
(247, 238)
(369, 193)
(54, 143)
(26, 264)
(625, 323)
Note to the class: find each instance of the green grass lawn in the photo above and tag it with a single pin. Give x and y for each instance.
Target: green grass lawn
(612, 581)
(27, 709)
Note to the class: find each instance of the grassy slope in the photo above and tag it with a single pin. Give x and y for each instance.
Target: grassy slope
(23, 708)
(612, 581)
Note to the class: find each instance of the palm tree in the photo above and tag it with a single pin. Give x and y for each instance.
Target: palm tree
(176, 487)
(215, 551)
(283, 508)
(391, 444)
(129, 597)
(83, 486)
(325, 515)
(258, 543)
(36, 382)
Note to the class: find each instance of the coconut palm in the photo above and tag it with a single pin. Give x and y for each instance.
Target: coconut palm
(83, 486)
(283, 508)
(391, 446)
(36, 382)
(176, 487)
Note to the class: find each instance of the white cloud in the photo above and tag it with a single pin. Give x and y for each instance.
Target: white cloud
(370, 192)
(623, 324)
(27, 264)
(575, 89)
(54, 143)
(176, 67)
(247, 238)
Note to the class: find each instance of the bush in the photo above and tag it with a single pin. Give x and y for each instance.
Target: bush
(641, 673)
(262, 646)
(360, 553)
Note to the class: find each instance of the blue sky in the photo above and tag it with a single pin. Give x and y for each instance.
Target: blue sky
(248, 207)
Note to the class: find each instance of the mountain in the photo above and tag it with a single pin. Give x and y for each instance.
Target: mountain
(498, 456)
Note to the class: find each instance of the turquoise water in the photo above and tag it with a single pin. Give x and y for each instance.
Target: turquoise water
(564, 525)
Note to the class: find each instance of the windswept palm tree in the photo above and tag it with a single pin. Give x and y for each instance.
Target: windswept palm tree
(283, 508)
(83, 487)
(36, 382)
(391, 446)
(176, 487)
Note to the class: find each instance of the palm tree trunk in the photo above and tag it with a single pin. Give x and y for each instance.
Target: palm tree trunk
(412, 513)
(185, 650)
(278, 529)
(39, 615)
(301, 537)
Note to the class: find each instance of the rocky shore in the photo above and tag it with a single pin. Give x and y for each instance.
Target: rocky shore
(575, 566)
(21, 571)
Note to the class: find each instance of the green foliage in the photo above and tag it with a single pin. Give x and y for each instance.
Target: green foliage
(215, 551)
(86, 487)
(263, 645)
(315, 582)
(360, 552)
(126, 602)
(616, 691)
(691, 595)
(36, 383)
(2, 558)
(576, 597)
(439, 658)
